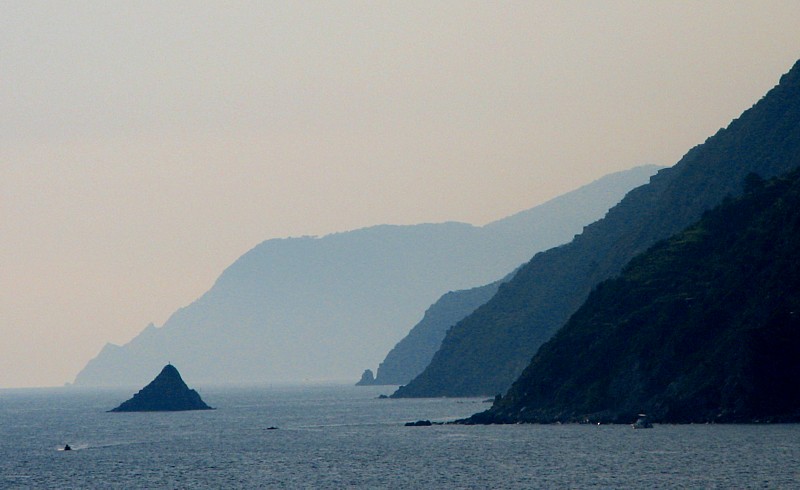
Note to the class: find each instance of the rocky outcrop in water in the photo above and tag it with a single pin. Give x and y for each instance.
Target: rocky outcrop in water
(367, 378)
(166, 393)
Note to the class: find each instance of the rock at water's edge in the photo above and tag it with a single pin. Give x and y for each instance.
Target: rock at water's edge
(166, 393)
(367, 379)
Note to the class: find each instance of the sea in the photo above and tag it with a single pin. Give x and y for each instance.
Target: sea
(340, 436)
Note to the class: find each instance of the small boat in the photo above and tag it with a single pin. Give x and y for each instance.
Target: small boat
(67, 448)
(642, 422)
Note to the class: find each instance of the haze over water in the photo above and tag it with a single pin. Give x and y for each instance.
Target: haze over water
(343, 436)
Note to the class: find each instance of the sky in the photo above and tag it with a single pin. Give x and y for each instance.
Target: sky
(145, 145)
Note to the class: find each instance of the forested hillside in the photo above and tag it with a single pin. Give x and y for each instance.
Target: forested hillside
(703, 327)
(484, 353)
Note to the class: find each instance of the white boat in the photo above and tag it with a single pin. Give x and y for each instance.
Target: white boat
(642, 422)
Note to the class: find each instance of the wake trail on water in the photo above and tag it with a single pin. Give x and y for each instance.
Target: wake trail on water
(82, 446)
(73, 447)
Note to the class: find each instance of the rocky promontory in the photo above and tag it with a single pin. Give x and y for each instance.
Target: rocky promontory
(166, 393)
(367, 378)
(702, 328)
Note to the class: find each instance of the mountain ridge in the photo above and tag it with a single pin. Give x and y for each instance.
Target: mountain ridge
(278, 311)
(702, 327)
(413, 353)
(485, 352)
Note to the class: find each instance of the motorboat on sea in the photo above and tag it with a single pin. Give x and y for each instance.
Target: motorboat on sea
(642, 422)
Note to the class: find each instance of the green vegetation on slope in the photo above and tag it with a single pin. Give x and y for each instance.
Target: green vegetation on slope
(484, 353)
(556, 218)
(703, 327)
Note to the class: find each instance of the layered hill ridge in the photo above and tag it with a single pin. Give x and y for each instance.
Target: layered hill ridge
(703, 327)
(323, 308)
(414, 352)
(484, 353)
(166, 393)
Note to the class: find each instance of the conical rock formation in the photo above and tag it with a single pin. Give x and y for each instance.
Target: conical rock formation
(166, 393)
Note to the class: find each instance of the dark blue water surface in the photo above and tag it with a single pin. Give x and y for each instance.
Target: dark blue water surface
(343, 437)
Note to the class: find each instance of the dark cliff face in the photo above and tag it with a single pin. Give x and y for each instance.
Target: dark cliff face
(166, 393)
(367, 378)
(414, 352)
(703, 327)
(484, 353)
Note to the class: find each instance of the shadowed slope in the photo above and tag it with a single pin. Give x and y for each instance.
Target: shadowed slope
(484, 353)
(412, 354)
(703, 327)
(166, 393)
(324, 308)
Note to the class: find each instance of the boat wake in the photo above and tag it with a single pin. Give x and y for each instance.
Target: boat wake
(73, 447)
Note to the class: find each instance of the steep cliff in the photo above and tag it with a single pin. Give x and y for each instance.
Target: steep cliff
(484, 353)
(703, 327)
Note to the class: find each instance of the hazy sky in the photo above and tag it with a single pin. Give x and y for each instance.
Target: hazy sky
(145, 145)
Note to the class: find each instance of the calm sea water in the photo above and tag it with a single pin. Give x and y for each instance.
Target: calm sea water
(344, 437)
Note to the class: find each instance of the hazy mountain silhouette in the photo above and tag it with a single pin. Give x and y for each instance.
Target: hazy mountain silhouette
(484, 353)
(323, 308)
(703, 327)
(414, 352)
